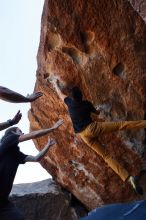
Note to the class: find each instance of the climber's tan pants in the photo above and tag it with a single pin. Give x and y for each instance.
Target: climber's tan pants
(90, 137)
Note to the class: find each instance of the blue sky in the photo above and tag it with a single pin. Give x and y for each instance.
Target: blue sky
(19, 41)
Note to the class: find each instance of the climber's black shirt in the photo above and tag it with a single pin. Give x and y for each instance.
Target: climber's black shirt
(80, 113)
(10, 158)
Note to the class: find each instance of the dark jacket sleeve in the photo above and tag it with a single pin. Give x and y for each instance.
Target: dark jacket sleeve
(8, 142)
(22, 157)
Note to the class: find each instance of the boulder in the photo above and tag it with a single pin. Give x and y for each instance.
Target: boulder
(99, 46)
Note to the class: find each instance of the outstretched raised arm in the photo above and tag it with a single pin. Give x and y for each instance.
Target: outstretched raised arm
(11, 122)
(12, 96)
(39, 133)
(42, 153)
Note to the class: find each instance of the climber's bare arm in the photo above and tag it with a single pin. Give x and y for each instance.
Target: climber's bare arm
(42, 153)
(4, 125)
(39, 133)
(12, 96)
(11, 122)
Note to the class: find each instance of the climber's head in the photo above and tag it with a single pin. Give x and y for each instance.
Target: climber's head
(11, 137)
(76, 93)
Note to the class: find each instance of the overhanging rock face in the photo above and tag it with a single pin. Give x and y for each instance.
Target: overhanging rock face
(100, 46)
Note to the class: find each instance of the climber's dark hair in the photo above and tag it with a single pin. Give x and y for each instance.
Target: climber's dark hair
(76, 93)
(9, 132)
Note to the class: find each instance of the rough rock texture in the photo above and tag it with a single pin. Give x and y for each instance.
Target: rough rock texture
(44, 200)
(140, 6)
(100, 46)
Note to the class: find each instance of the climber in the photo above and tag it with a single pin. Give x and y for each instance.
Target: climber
(10, 158)
(89, 130)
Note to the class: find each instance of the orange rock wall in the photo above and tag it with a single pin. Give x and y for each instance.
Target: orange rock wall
(99, 46)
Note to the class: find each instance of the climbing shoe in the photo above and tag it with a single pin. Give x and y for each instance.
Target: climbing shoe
(137, 189)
